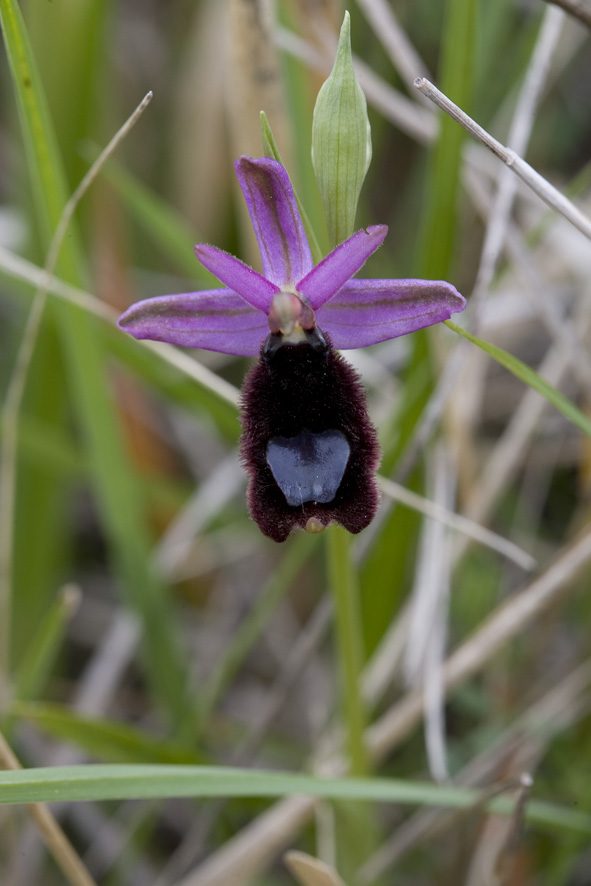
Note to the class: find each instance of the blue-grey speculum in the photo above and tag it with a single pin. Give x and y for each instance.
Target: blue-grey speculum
(309, 466)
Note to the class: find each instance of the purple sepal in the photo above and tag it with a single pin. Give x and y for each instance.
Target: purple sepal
(215, 319)
(365, 312)
(240, 278)
(325, 280)
(275, 217)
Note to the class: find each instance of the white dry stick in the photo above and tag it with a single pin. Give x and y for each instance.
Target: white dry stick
(175, 544)
(549, 194)
(496, 229)
(21, 269)
(566, 334)
(394, 39)
(576, 8)
(522, 743)
(309, 871)
(462, 524)
(60, 847)
(427, 629)
(522, 123)
(508, 620)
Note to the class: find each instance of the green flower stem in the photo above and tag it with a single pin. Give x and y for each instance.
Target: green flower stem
(344, 587)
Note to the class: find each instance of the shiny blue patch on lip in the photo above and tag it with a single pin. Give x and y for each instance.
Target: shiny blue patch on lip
(309, 466)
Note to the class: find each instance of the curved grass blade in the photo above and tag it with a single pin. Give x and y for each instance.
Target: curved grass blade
(104, 739)
(530, 377)
(119, 782)
(115, 487)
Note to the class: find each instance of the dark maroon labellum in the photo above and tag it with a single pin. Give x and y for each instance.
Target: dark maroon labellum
(307, 443)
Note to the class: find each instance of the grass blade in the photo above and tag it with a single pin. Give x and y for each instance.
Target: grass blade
(530, 377)
(114, 483)
(118, 782)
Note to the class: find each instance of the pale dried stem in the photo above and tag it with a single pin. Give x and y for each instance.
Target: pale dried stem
(249, 852)
(394, 39)
(427, 630)
(502, 625)
(58, 844)
(20, 269)
(576, 8)
(522, 123)
(562, 706)
(309, 871)
(211, 496)
(549, 194)
(462, 524)
(566, 334)
(496, 229)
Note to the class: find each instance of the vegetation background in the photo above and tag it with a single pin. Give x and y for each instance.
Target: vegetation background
(143, 618)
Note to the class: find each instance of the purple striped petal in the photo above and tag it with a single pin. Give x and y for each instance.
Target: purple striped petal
(275, 217)
(369, 311)
(325, 280)
(237, 276)
(215, 319)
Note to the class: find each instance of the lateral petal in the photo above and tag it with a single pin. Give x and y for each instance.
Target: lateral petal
(325, 280)
(365, 312)
(237, 276)
(275, 217)
(215, 319)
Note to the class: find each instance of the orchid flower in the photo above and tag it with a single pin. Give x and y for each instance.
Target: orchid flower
(307, 442)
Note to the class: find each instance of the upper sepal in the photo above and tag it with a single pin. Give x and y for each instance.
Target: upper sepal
(285, 252)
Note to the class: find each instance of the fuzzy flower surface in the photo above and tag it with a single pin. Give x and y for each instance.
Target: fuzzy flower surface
(307, 443)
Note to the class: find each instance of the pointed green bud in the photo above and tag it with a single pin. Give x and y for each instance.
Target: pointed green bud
(341, 141)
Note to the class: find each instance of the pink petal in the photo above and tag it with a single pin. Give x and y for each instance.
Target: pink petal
(237, 276)
(215, 319)
(325, 280)
(369, 311)
(275, 217)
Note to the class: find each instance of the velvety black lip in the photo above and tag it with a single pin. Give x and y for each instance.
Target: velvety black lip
(297, 387)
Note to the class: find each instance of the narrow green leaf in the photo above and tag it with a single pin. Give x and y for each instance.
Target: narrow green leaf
(115, 486)
(42, 650)
(530, 377)
(167, 229)
(105, 739)
(271, 150)
(119, 782)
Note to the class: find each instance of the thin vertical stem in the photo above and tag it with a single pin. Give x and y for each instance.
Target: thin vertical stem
(344, 587)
